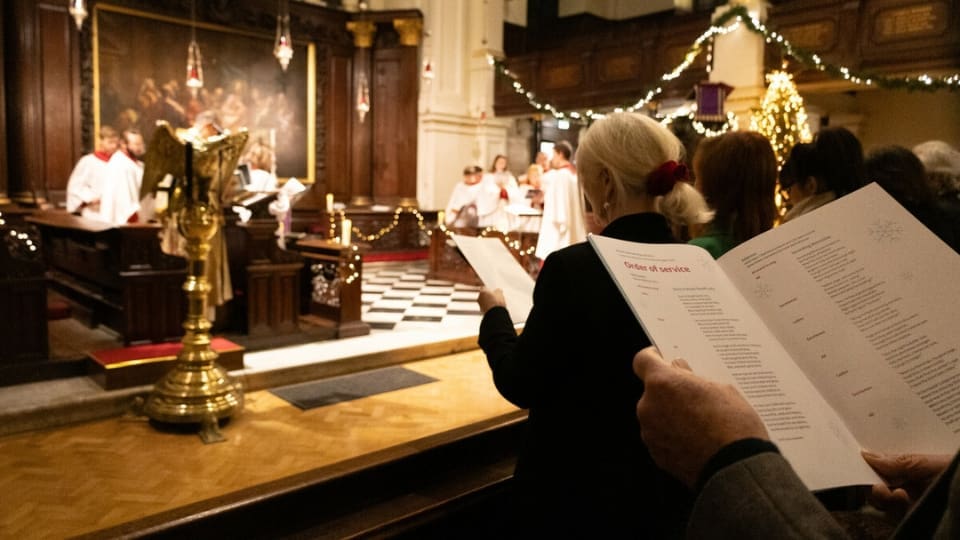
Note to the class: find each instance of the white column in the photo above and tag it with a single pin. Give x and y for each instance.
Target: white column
(457, 127)
(738, 61)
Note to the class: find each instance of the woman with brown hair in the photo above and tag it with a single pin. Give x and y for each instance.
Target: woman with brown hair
(737, 174)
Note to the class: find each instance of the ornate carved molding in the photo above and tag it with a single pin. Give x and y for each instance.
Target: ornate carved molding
(363, 32)
(410, 31)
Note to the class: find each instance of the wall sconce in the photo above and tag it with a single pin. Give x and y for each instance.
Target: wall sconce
(363, 98)
(78, 10)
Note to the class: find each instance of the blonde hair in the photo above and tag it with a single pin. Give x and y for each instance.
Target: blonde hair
(628, 147)
(260, 156)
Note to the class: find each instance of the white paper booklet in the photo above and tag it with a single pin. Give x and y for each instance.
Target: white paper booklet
(839, 327)
(498, 269)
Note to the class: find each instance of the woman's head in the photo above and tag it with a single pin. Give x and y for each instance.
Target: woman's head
(942, 163)
(900, 173)
(839, 161)
(534, 175)
(260, 156)
(499, 163)
(737, 174)
(619, 155)
(796, 175)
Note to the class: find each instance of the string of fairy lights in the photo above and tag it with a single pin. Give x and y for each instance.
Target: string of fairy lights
(335, 233)
(724, 24)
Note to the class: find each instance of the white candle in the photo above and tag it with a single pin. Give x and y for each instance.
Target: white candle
(329, 203)
(441, 218)
(345, 229)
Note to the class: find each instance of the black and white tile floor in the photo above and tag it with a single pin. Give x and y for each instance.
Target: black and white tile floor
(398, 296)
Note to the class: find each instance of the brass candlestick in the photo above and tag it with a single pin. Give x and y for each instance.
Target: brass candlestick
(196, 390)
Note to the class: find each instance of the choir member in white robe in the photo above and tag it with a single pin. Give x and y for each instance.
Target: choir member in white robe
(462, 205)
(120, 202)
(84, 186)
(563, 221)
(499, 191)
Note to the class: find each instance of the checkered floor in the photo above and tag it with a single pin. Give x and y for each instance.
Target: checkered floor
(398, 296)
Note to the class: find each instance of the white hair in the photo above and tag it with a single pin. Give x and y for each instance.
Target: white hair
(628, 147)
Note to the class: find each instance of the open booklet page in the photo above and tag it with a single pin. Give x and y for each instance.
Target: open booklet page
(690, 309)
(498, 269)
(866, 300)
(862, 296)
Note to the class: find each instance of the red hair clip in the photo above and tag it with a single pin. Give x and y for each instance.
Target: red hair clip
(662, 179)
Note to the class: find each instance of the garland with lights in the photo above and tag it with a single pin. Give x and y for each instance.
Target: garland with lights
(736, 16)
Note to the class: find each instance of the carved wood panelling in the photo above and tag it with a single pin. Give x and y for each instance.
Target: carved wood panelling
(910, 35)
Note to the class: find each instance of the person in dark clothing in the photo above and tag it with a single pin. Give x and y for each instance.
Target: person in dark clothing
(578, 474)
(901, 174)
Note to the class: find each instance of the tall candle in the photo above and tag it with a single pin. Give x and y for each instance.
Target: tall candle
(345, 229)
(329, 203)
(441, 218)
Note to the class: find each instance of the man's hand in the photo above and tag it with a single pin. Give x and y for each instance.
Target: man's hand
(490, 299)
(907, 476)
(685, 419)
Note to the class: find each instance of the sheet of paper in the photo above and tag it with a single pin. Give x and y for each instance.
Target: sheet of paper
(866, 300)
(498, 269)
(690, 310)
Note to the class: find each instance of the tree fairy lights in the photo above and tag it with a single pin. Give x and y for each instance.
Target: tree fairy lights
(782, 118)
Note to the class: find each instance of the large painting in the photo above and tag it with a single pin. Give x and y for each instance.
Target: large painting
(140, 73)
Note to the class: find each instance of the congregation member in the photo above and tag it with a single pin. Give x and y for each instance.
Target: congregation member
(901, 174)
(835, 168)
(497, 192)
(120, 200)
(737, 174)
(583, 470)
(84, 186)
(461, 208)
(942, 165)
(260, 159)
(563, 221)
(708, 436)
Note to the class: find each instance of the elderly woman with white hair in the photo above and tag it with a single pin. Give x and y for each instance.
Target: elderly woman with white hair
(583, 470)
(942, 163)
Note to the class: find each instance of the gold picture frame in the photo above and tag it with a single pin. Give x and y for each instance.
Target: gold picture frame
(139, 71)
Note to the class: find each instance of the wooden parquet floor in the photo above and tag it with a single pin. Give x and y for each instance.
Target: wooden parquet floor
(83, 478)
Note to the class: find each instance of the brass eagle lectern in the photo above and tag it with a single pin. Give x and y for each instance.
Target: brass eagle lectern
(187, 173)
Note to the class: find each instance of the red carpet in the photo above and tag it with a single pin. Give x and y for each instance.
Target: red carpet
(144, 364)
(396, 256)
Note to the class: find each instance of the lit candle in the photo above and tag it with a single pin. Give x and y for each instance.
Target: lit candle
(329, 203)
(441, 218)
(345, 228)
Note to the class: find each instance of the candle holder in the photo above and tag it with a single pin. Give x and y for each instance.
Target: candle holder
(196, 390)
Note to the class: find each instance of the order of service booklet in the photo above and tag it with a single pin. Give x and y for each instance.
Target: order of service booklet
(498, 269)
(839, 327)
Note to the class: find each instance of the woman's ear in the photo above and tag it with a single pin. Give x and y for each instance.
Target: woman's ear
(608, 187)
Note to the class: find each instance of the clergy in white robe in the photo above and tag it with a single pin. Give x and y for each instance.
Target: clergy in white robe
(497, 192)
(120, 201)
(462, 205)
(84, 185)
(563, 220)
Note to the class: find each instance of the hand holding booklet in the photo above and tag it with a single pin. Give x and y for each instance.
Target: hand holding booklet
(838, 327)
(498, 269)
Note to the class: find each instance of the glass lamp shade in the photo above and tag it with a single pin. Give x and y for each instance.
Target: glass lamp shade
(194, 67)
(283, 46)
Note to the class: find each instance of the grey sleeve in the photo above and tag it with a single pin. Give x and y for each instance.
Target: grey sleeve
(759, 497)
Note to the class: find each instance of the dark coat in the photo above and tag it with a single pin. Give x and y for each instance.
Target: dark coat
(584, 471)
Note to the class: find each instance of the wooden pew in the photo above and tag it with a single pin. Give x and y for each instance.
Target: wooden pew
(266, 279)
(119, 274)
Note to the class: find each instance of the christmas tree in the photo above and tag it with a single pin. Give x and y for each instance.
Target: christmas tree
(782, 119)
